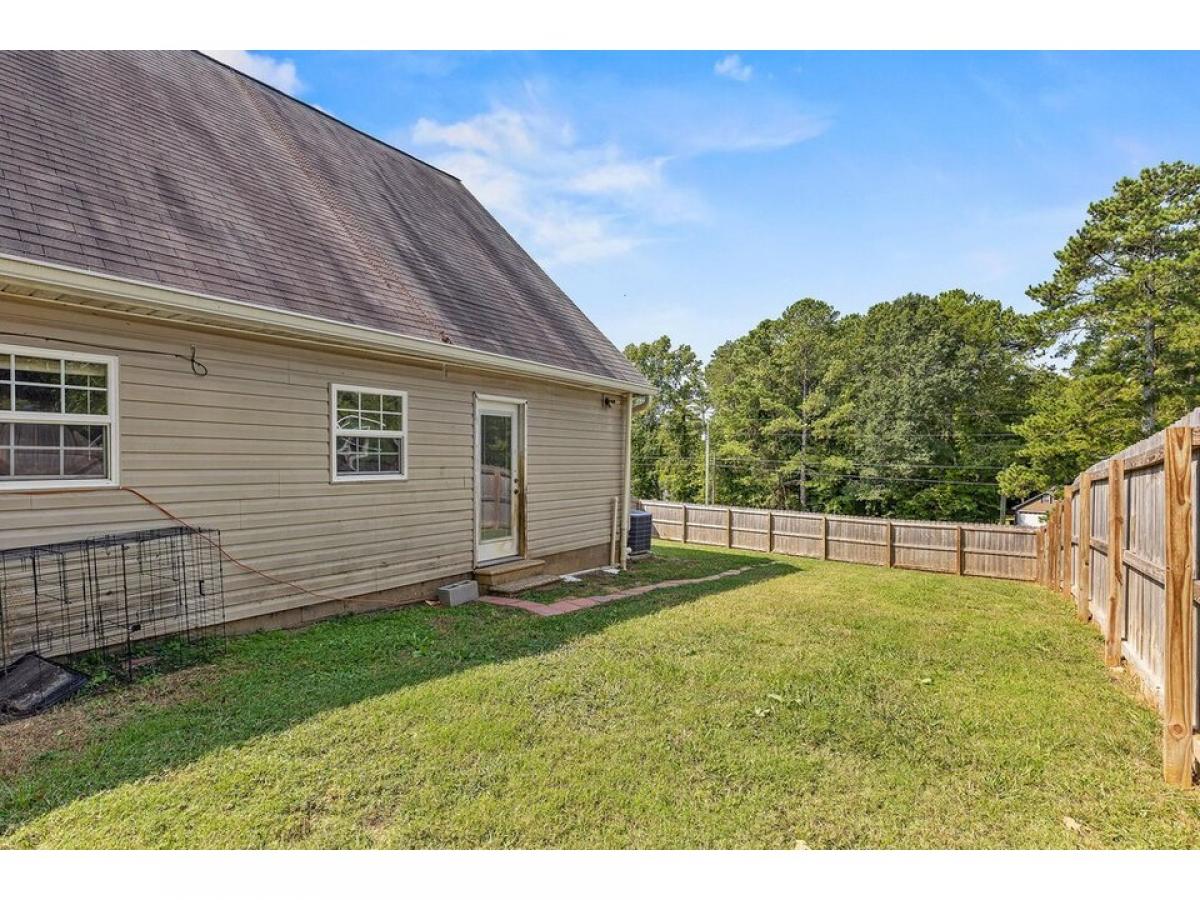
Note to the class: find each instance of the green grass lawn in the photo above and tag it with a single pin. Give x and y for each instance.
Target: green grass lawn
(668, 563)
(838, 705)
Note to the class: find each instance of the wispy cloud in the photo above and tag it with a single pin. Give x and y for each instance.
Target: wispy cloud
(620, 177)
(681, 122)
(279, 73)
(574, 201)
(740, 133)
(575, 198)
(732, 66)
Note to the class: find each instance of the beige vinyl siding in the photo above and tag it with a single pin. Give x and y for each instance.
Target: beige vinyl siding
(246, 450)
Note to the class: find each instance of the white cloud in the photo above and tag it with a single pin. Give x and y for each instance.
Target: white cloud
(740, 134)
(733, 67)
(573, 201)
(572, 198)
(279, 73)
(687, 123)
(620, 177)
(501, 132)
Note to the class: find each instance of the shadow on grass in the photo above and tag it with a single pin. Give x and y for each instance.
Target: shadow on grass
(272, 681)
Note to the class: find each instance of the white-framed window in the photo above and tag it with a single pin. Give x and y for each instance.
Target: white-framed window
(58, 419)
(368, 433)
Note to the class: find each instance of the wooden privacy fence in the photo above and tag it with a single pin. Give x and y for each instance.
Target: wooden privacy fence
(993, 551)
(1121, 544)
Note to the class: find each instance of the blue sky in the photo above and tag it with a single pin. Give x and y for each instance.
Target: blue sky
(697, 193)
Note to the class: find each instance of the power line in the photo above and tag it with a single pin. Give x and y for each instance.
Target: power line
(817, 464)
(869, 465)
(980, 413)
(958, 436)
(837, 474)
(894, 478)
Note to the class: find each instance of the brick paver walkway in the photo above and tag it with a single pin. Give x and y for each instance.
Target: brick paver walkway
(572, 604)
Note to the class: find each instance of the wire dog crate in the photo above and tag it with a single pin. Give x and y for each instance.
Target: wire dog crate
(106, 593)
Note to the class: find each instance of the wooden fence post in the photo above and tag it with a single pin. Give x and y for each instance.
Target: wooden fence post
(1062, 560)
(1044, 534)
(770, 531)
(1062, 545)
(960, 555)
(1068, 582)
(1083, 585)
(1039, 544)
(1053, 550)
(1178, 648)
(1051, 546)
(683, 506)
(891, 545)
(1116, 574)
(824, 537)
(729, 526)
(1049, 553)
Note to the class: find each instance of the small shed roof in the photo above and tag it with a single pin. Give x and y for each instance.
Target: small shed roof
(1039, 504)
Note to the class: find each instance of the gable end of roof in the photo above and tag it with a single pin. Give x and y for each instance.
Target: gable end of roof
(172, 169)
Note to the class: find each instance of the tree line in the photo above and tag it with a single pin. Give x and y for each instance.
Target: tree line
(948, 406)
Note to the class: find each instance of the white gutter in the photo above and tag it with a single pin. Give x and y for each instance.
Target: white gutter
(258, 320)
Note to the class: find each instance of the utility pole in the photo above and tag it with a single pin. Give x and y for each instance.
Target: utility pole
(804, 438)
(708, 498)
(702, 410)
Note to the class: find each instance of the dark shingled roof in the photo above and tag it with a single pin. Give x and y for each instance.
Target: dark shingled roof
(170, 168)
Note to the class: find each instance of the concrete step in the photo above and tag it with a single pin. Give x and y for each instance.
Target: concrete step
(524, 584)
(506, 572)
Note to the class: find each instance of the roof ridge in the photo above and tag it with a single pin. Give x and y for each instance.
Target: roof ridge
(328, 115)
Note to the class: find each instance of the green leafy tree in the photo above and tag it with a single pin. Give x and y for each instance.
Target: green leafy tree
(1076, 421)
(667, 447)
(1123, 309)
(772, 407)
(905, 410)
(1126, 293)
(932, 386)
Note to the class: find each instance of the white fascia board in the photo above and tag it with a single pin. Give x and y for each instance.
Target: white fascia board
(259, 320)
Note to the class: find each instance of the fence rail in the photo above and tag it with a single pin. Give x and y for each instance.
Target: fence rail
(1121, 544)
(990, 551)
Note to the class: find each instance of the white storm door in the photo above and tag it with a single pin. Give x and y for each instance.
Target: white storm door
(497, 479)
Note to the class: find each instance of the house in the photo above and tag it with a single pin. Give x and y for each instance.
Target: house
(220, 304)
(1033, 511)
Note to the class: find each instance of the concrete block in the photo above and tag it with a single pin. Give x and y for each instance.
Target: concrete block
(458, 593)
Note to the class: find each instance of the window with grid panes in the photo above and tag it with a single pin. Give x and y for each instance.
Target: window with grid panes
(57, 418)
(369, 433)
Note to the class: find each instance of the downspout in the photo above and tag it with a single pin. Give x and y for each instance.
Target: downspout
(627, 500)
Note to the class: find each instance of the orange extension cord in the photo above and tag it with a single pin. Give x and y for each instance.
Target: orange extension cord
(170, 515)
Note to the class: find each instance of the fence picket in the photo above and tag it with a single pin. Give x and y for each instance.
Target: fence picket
(996, 551)
(1083, 584)
(1116, 539)
(1146, 591)
(1179, 641)
(1068, 582)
